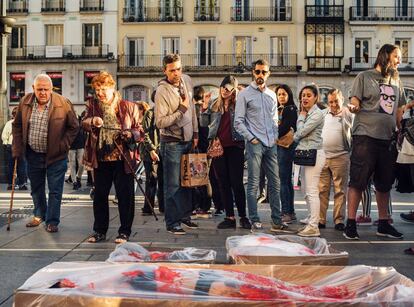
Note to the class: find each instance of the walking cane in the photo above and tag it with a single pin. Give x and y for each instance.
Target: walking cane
(136, 179)
(12, 194)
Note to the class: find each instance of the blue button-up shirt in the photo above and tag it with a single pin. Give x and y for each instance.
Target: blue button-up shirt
(256, 115)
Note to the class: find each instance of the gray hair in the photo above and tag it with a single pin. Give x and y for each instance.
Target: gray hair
(43, 77)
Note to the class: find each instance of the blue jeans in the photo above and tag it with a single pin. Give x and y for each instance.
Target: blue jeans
(258, 154)
(285, 160)
(49, 211)
(177, 200)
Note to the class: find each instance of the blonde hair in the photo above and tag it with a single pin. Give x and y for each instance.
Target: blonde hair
(143, 105)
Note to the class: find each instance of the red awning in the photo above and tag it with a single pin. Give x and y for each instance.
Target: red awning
(91, 74)
(17, 76)
(55, 75)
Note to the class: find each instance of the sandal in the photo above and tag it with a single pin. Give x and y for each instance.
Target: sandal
(96, 237)
(121, 238)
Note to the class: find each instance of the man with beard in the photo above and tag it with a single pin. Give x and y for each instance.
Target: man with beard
(256, 120)
(377, 99)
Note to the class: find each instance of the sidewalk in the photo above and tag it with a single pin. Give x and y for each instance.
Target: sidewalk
(25, 250)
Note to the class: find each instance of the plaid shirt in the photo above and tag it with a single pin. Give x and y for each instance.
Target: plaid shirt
(38, 126)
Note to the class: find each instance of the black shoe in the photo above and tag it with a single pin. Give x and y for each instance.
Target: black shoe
(350, 231)
(218, 212)
(245, 223)
(76, 185)
(227, 224)
(189, 224)
(92, 193)
(387, 230)
(408, 217)
(321, 226)
(23, 187)
(177, 230)
(340, 226)
(69, 180)
(89, 183)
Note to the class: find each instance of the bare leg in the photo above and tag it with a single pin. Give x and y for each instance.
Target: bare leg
(354, 197)
(382, 203)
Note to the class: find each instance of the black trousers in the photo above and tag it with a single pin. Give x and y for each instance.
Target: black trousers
(105, 174)
(154, 184)
(229, 170)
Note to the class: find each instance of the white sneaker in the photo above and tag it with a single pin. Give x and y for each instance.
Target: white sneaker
(309, 231)
(256, 226)
(305, 221)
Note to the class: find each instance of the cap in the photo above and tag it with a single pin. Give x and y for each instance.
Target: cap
(229, 82)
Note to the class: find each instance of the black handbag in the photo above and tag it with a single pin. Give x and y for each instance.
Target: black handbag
(305, 157)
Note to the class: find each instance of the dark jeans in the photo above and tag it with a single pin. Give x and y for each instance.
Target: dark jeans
(285, 161)
(154, 184)
(49, 210)
(215, 190)
(105, 174)
(201, 199)
(21, 168)
(177, 200)
(229, 169)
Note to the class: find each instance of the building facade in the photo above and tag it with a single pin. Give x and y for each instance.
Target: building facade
(69, 40)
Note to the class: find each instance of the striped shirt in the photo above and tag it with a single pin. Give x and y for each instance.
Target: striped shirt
(38, 128)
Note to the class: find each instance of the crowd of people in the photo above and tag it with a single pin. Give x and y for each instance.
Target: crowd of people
(345, 145)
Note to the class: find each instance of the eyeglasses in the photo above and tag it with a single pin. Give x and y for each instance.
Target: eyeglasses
(258, 71)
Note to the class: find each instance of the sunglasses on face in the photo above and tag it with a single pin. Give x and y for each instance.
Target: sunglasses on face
(258, 71)
(385, 96)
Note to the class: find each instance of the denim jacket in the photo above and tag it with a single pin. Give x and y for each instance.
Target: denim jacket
(309, 129)
(211, 119)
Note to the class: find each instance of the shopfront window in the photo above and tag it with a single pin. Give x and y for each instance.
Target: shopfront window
(57, 81)
(17, 84)
(88, 91)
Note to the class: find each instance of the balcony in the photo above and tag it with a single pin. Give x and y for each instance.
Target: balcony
(324, 13)
(91, 6)
(239, 14)
(207, 14)
(17, 7)
(381, 13)
(364, 63)
(69, 52)
(324, 63)
(219, 62)
(53, 6)
(153, 14)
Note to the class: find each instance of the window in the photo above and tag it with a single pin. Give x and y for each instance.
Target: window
(18, 37)
(136, 93)
(56, 80)
(243, 50)
(402, 8)
(404, 45)
(207, 10)
(17, 84)
(54, 35)
(207, 51)
(92, 35)
(282, 10)
(362, 50)
(135, 51)
(362, 7)
(170, 45)
(87, 81)
(279, 51)
(323, 92)
(241, 10)
(409, 93)
(171, 10)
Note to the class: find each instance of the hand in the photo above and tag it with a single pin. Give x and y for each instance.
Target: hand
(185, 102)
(126, 135)
(254, 141)
(353, 108)
(195, 143)
(97, 121)
(154, 156)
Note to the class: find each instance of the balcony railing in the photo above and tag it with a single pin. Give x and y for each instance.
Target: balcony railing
(53, 6)
(91, 5)
(18, 7)
(381, 13)
(207, 13)
(196, 62)
(363, 63)
(153, 14)
(65, 51)
(261, 14)
(324, 63)
(324, 13)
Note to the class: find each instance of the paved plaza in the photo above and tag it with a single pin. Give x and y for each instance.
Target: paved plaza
(25, 250)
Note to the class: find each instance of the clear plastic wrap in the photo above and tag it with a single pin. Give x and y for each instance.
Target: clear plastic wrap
(210, 283)
(133, 252)
(285, 249)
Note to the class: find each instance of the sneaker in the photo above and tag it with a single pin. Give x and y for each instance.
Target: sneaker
(293, 216)
(408, 217)
(177, 230)
(287, 218)
(363, 220)
(390, 221)
(23, 187)
(201, 214)
(218, 212)
(256, 226)
(387, 230)
(245, 223)
(189, 224)
(340, 226)
(321, 226)
(193, 215)
(261, 198)
(282, 227)
(305, 221)
(227, 224)
(69, 180)
(309, 231)
(350, 231)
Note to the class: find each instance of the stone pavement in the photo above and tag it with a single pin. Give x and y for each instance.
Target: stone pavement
(25, 250)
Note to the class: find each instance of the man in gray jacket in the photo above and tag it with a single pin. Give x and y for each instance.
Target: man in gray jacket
(176, 118)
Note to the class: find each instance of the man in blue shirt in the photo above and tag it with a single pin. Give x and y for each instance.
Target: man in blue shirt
(256, 119)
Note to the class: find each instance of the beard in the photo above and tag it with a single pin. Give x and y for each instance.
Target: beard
(259, 81)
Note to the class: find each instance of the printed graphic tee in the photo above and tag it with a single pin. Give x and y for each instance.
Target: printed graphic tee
(380, 98)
